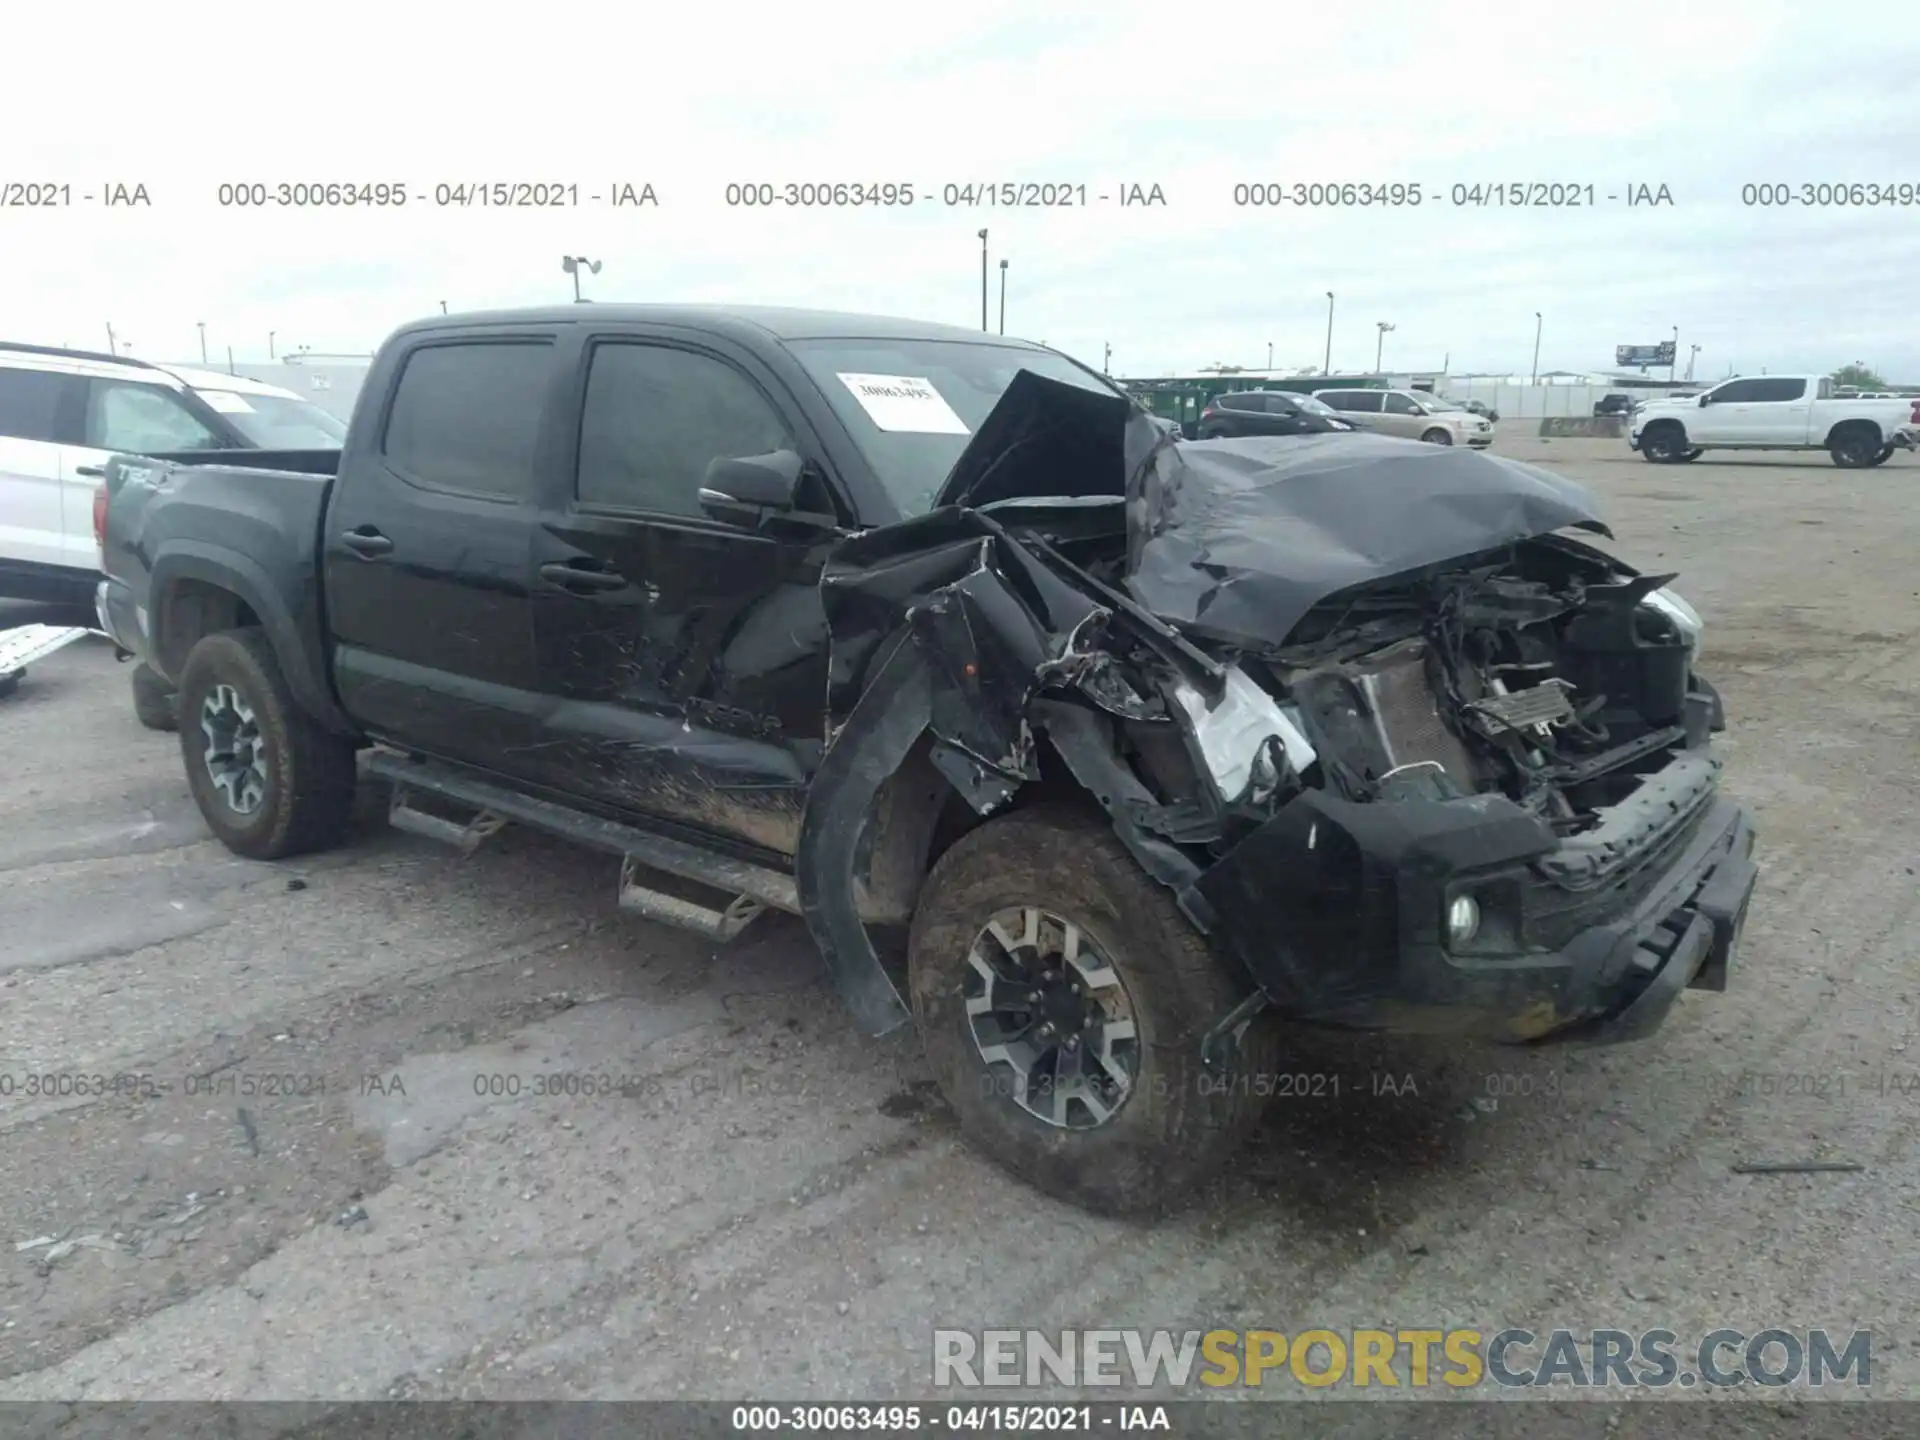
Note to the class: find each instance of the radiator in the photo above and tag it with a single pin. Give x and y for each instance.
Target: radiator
(1405, 715)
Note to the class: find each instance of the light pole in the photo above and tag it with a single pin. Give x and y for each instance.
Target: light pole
(1675, 360)
(443, 307)
(270, 335)
(983, 282)
(1381, 343)
(1538, 323)
(1003, 297)
(571, 264)
(1326, 366)
(203, 340)
(1106, 360)
(1269, 357)
(111, 350)
(1693, 352)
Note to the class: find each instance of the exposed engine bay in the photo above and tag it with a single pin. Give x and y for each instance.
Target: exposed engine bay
(1394, 740)
(1539, 672)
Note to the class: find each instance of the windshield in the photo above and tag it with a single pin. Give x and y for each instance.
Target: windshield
(1437, 402)
(919, 401)
(278, 422)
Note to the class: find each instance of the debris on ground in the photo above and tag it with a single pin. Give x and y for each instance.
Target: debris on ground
(1798, 1167)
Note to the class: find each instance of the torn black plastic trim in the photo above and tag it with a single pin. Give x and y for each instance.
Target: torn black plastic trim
(1077, 734)
(869, 748)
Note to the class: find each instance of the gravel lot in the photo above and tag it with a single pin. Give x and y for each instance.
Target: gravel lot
(332, 1191)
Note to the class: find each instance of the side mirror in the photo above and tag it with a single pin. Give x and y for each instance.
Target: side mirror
(751, 490)
(1706, 400)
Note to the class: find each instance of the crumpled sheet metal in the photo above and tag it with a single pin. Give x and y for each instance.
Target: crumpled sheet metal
(1238, 539)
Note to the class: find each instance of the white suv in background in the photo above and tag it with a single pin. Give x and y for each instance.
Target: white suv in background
(1415, 415)
(63, 412)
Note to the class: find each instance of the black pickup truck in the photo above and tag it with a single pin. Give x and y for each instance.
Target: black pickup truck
(1095, 752)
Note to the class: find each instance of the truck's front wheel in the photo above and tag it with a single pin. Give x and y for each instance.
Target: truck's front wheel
(269, 780)
(1663, 444)
(1062, 999)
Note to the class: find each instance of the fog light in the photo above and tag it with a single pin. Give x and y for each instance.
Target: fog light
(1463, 919)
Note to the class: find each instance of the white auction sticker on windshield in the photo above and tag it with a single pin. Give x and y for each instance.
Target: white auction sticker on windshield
(905, 403)
(226, 402)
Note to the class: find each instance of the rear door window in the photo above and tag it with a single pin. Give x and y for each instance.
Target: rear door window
(466, 417)
(29, 403)
(1779, 389)
(1362, 402)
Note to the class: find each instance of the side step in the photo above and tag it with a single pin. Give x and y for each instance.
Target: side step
(403, 814)
(650, 900)
(754, 887)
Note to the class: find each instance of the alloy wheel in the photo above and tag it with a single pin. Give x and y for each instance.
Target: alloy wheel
(236, 753)
(1051, 1016)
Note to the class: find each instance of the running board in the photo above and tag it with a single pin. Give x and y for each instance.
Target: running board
(465, 837)
(677, 910)
(496, 806)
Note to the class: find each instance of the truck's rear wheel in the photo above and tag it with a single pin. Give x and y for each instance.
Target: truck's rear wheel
(1062, 999)
(152, 699)
(1853, 448)
(1885, 454)
(269, 780)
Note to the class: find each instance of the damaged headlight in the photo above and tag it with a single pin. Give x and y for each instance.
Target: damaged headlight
(1683, 615)
(1232, 735)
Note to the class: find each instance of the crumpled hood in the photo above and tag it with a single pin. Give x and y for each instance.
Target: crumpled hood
(1238, 539)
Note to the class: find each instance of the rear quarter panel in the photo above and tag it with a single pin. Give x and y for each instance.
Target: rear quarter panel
(179, 535)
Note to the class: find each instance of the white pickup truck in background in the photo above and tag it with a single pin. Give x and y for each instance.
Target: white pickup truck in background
(1775, 412)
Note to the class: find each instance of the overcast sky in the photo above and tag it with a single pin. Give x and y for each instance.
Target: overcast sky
(1701, 98)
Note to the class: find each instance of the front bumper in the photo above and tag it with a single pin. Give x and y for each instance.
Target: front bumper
(1480, 439)
(1336, 908)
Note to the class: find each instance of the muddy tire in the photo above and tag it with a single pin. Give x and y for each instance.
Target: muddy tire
(1437, 436)
(1149, 990)
(1663, 444)
(1885, 454)
(1854, 446)
(152, 699)
(269, 780)
(1687, 457)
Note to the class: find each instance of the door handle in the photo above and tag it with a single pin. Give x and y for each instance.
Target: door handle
(570, 577)
(92, 472)
(366, 543)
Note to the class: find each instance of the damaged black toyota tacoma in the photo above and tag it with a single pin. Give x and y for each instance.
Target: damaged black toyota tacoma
(1095, 752)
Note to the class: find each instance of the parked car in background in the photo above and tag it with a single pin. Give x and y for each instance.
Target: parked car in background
(1414, 416)
(1776, 412)
(63, 412)
(1617, 403)
(1268, 412)
(1480, 408)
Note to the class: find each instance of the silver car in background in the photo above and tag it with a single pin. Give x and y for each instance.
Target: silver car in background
(1415, 415)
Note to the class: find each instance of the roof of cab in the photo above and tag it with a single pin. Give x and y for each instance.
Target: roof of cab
(776, 321)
